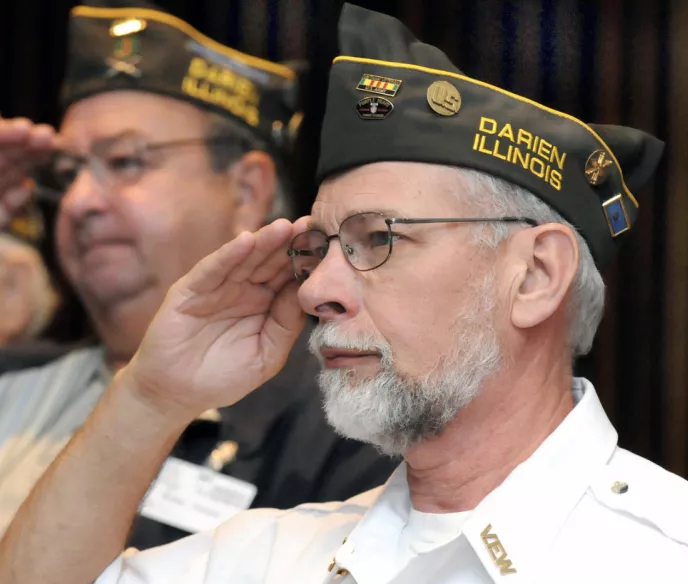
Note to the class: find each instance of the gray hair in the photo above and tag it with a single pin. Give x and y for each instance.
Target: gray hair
(491, 196)
(224, 154)
(43, 298)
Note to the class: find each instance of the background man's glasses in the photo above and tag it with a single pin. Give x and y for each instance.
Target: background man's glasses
(114, 162)
(366, 240)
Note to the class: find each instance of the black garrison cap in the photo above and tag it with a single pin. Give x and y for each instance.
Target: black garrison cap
(392, 97)
(135, 45)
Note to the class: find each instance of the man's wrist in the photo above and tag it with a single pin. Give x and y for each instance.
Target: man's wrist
(140, 407)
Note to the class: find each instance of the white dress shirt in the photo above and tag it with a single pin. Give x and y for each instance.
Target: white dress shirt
(579, 510)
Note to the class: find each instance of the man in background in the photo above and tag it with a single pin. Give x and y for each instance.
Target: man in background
(171, 145)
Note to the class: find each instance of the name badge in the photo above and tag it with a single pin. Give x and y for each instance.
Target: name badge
(195, 498)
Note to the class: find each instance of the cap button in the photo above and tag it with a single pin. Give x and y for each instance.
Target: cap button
(619, 488)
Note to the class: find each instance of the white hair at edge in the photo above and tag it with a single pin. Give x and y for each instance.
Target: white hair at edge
(489, 196)
(394, 412)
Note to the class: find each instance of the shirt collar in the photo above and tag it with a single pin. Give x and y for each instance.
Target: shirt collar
(519, 520)
(513, 526)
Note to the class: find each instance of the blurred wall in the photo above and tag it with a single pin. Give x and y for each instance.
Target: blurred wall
(608, 61)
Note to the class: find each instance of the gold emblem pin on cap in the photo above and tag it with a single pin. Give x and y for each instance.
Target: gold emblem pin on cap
(597, 167)
(444, 98)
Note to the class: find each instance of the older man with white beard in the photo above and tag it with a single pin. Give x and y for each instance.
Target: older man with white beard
(451, 307)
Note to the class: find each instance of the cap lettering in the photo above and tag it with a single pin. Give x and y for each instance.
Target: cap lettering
(522, 148)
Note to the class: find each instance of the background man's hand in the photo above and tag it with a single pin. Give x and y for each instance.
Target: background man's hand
(224, 329)
(22, 143)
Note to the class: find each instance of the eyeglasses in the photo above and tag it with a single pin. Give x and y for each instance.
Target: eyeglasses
(366, 240)
(114, 162)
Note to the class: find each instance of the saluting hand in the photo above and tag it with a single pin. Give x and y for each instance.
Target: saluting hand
(224, 329)
(22, 143)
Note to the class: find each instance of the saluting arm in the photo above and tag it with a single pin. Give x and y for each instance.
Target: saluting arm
(222, 331)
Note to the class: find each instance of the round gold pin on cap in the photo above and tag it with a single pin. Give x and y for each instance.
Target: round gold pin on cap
(444, 98)
(597, 167)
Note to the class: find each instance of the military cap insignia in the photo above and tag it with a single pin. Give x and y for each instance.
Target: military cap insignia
(382, 85)
(126, 26)
(146, 48)
(444, 98)
(446, 117)
(374, 108)
(615, 212)
(596, 167)
(125, 57)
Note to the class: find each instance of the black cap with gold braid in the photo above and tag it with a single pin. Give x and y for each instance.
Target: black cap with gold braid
(135, 45)
(392, 97)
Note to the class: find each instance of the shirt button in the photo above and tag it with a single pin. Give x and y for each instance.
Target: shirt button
(619, 488)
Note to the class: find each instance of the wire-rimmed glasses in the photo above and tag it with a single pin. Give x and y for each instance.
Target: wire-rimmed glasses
(366, 239)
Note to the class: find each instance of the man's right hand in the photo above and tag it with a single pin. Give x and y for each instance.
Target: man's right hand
(223, 330)
(22, 143)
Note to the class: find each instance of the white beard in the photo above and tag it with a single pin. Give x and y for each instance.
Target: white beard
(392, 410)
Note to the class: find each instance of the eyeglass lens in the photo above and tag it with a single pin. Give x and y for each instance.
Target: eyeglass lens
(365, 238)
(113, 163)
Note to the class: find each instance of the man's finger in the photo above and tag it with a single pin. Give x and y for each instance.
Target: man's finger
(272, 266)
(212, 271)
(268, 240)
(300, 225)
(282, 327)
(14, 132)
(277, 270)
(41, 137)
(282, 278)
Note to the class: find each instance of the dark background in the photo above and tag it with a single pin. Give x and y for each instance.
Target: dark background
(607, 61)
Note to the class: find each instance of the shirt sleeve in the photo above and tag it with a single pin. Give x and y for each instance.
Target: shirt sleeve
(239, 548)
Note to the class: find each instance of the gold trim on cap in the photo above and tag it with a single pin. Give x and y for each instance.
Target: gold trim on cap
(499, 90)
(187, 29)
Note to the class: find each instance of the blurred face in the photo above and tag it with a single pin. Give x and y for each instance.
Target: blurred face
(406, 345)
(125, 235)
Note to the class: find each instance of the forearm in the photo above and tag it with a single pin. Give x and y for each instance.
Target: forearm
(77, 518)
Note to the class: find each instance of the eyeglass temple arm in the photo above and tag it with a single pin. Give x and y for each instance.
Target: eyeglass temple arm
(527, 220)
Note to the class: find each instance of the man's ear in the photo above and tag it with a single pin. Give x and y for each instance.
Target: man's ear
(254, 177)
(550, 257)
(15, 310)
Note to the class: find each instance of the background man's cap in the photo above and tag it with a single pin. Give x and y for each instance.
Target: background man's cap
(135, 45)
(393, 98)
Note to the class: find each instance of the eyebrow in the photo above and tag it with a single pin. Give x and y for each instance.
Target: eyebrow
(109, 140)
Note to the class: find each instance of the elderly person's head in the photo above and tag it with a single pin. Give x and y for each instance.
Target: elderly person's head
(27, 298)
(172, 144)
(457, 237)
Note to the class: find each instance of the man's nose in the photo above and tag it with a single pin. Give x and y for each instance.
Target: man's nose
(331, 292)
(86, 195)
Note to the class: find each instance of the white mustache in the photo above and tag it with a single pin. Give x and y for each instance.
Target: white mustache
(330, 335)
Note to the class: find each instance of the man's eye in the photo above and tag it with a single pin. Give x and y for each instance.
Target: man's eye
(378, 238)
(381, 238)
(126, 163)
(64, 172)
